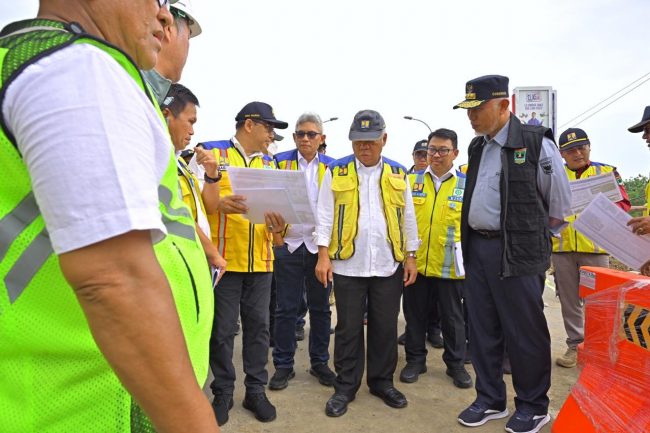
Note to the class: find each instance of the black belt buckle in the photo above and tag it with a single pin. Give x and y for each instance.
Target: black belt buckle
(488, 234)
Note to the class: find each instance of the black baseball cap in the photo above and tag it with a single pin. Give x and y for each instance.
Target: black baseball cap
(644, 121)
(573, 137)
(367, 125)
(260, 111)
(420, 146)
(484, 88)
(277, 137)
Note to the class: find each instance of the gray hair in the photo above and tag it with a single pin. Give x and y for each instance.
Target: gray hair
(310, 117)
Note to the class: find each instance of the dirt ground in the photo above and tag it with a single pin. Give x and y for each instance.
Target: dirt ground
(434, 402)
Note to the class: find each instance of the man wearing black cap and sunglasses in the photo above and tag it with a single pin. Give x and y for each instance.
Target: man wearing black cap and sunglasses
(516, 192)
(641, 225)
(572, 249)
(248, 249)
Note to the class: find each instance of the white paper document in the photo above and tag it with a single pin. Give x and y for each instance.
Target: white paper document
(281, 191)
(605, 224)
(584, 190)
(458, 255)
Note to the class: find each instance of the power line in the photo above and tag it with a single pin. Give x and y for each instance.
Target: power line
(604, 100)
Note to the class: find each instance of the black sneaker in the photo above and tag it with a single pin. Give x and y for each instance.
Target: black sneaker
(436, 340)
(260, 406)
(460, 376)
(323, 373)
(221, 405)
(300, 334)
(522, 422)
(411, 372)
(280, 379)
(478, 414)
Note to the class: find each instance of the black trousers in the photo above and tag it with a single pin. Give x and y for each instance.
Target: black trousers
(506, 311)
(418, 298)
(383, 295)
(249, 292)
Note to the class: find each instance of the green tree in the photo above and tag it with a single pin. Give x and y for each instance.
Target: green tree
(635, 187)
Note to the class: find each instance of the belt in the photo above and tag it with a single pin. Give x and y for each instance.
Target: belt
(487, 234)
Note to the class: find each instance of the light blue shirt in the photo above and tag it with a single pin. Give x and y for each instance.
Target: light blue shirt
(552, 183)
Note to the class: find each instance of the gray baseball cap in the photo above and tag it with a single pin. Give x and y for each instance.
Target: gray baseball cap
(367, 125)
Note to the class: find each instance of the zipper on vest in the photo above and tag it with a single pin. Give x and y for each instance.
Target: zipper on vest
(189, 272)
(504, 210)
(337, 254)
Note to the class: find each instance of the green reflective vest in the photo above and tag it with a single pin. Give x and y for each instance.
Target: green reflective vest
(53, 376)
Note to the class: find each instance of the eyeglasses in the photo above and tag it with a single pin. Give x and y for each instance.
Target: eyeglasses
(310, 134)
(163, 3)
(420, 154)
(268, 126)
(442, 151)
(576, 149)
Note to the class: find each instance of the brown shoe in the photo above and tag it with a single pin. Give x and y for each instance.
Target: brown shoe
(569, 359)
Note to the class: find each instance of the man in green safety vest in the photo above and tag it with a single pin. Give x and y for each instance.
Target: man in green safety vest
(105, 296)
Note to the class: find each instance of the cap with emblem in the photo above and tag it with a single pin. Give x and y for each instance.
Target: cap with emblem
(644, 121)
(260, 111)
(183, 9)
(482, 89)
(573, 137)
(420, 146)
(368, 125)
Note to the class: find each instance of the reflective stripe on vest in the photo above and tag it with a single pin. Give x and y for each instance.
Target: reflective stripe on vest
(175, 227)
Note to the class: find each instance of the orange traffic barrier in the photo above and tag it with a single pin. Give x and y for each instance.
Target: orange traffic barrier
(613, 391)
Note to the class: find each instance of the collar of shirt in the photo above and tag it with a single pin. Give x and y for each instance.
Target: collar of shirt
(239, 147)
(303, 162)
(501, 137)
(363, 169)
(444, 177)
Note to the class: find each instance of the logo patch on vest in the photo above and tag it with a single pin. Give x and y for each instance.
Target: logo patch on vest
(223, 163)
(343, 171)
(458, 198)
(418, 190)
(520, 155)
(547, 165)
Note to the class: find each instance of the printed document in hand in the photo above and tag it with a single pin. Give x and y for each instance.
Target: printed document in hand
(280, 191)
(605, 223)
(584, 190)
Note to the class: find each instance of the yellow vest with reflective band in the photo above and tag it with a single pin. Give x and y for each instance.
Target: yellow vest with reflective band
(190, 187)
(345, 186)
(438, 218)
(54, 378)
(570, 239)
(246, 247)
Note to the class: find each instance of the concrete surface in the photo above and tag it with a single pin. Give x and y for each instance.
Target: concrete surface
(434, 402)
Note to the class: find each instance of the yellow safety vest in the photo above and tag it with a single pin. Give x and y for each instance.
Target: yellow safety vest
(438, 218)
(190, 188)
(647, 198)
(246, 247)
(345, 186)
(571, 240)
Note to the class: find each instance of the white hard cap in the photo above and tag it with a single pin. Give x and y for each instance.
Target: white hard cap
(185, 7)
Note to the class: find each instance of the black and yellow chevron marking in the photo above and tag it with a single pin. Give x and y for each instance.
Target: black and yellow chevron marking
(636, 325)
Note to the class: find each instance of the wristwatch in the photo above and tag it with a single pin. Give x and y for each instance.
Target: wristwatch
(209, 179)
(411, 254)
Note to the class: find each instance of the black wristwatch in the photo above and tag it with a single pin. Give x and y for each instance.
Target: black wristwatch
(209, 179)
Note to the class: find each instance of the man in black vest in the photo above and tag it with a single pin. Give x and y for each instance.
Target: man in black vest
(516, 193)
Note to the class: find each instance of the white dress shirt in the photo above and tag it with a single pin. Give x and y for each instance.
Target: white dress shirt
(437, 181)
(299, 234)
(373, 256)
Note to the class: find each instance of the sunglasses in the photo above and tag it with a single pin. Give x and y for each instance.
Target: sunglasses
(268, 126)
(310, 134)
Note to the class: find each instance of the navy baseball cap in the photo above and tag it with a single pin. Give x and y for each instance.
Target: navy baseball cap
(368, 125)
(420, 146)
(260, 111)
(573, 137)
(482, 89)
(644, 121)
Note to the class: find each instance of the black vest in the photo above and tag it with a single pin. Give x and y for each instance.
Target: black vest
(525, 237)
